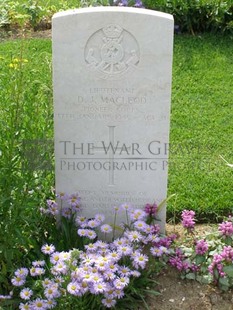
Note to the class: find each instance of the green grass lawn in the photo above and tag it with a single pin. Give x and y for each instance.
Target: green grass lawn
(202, 125)
(201, 116)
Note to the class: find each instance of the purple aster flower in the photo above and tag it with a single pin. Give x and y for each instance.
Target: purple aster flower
(60, 268)
(99, 217)
(153, 239)
(38, 304)
(110, 292)
(137, 214)
(90, 247)
(36, 271)
(106, 228)
(47, 249)
(82, 232)
(51, 303)
(21, 272)
(55, 258)
(99, 287)
(47, 282)
(124, 271)
(84, 288)
(91, 234)
(119, 293)
(73, 288)
(65, 255)
(101, 244)
(81, 221)
(134, 236)
(138, 4)
(52, 292)
(135, 273)
(108, 302)
(74, 200)
(114, 256)
(109, 276)
(121, 282)
(156, 251)
(52, 207)
(66, 212)
(101, 264)
(93, 223)
(140, 261)
(24, 306)
(123, 3)
(62, 195)
(5, 297)
(38, 263)
(125, 250)
(18, 281)
(126, 207)
(113, 267)
(140, 225)
(26, 293)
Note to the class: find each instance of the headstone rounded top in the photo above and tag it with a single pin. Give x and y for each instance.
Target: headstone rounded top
(112, 9)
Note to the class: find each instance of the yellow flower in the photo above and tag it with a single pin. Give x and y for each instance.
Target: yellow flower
(13, 66)
(15, 60)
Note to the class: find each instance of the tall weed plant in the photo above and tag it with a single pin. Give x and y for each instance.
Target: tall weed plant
(25, 150)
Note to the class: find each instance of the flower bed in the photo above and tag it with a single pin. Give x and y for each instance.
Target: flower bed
(100, 274)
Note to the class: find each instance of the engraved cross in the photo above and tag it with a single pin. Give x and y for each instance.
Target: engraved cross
(111, 177)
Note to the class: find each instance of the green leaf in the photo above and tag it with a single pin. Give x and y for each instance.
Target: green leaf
(199, 259)
(153, 281)
(163, 202)
(153, 292)
(205, 279)
(190, 276)
(228, 270)
(146, 305)
(224, 282)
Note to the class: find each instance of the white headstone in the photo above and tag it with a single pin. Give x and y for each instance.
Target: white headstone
(112, 90)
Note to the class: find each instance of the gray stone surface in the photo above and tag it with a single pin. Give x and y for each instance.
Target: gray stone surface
(112, 72)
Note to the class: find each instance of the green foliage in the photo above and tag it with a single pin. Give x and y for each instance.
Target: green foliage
(25, 117)
(77, 278)
(195, 16)
(207, 258)
(201, 127)
(31, 14)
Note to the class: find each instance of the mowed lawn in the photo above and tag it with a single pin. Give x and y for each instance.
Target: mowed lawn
(201, 115)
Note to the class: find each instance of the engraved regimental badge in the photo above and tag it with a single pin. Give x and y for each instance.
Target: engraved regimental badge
(111, 52)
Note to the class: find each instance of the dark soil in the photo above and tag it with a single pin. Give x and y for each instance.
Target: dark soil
(177, 294)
